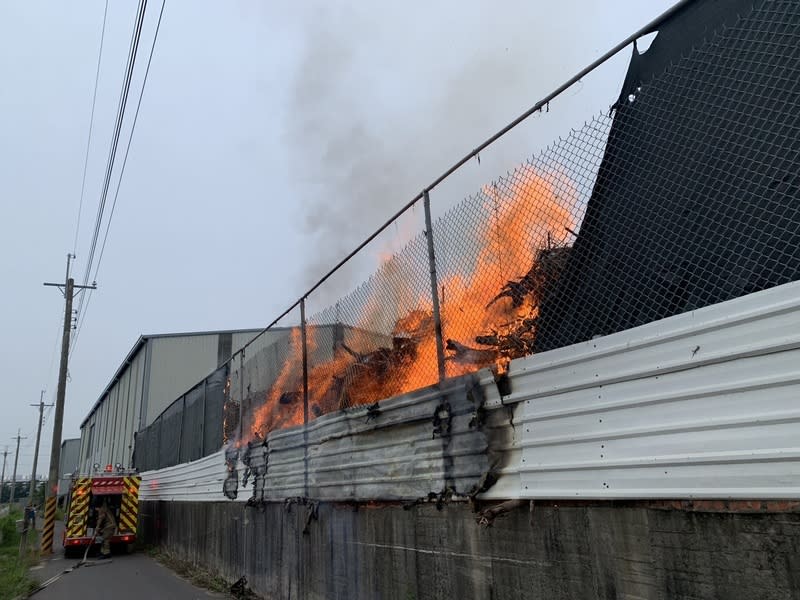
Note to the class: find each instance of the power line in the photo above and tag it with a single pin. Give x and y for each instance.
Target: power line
(130, 138)
(122, 169)
(112, 153)
(91, 126)
(123, 103)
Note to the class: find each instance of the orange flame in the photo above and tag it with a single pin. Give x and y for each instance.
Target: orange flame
(273, 413)
(525, 218)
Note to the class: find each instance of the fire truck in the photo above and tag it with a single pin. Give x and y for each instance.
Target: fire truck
(120, 489)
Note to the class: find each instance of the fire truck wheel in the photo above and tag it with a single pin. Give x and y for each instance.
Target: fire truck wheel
(73, 552)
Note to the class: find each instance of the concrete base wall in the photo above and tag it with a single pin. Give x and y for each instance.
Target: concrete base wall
(604, 551)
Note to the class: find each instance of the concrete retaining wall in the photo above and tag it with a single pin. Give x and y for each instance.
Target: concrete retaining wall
(603, 551)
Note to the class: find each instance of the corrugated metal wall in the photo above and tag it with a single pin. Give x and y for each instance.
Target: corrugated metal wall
(408, 447)
(360, 454)
(68, 463)
(115, 420)
(700, 405)
(240, 338)
(197, 481)
(176, 364)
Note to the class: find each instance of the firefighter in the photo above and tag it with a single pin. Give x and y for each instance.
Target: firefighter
(107, 526)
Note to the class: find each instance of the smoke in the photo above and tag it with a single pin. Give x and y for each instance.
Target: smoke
(380, 107)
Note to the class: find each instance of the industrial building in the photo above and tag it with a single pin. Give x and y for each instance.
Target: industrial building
(157, 370)
(67, 463)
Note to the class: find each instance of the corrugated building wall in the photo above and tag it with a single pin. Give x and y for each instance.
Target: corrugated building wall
(175, 364)
(68, 463)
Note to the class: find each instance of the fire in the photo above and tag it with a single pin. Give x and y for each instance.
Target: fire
(279, 410)
(488, 312)
(528, 217)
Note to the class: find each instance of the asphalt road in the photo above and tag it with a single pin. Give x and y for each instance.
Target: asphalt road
(125, 577)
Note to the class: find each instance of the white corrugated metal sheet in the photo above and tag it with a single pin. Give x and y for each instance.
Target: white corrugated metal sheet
(197, 481)
(411, 446)
(701, 405)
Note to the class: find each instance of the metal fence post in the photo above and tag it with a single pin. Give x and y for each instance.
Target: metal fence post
(303, 334)
(241, 394)
(160, 462)
(203, 421)
(437, 316)
(180, 430)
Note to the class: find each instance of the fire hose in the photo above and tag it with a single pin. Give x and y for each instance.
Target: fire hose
(83, 562)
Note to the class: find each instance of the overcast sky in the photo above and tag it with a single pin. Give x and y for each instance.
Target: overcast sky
(273, 137)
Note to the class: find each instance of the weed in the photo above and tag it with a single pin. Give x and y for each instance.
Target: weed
(15, 579)
(198, 576)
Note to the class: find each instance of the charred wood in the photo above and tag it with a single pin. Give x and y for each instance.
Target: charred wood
(467, 355)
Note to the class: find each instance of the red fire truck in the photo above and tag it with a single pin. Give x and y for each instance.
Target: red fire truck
(117, 486)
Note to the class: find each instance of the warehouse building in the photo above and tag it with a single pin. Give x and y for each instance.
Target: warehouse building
(67, 464)
(156, 371)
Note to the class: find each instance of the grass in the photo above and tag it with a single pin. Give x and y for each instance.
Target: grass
(15, 579)
(198, 576)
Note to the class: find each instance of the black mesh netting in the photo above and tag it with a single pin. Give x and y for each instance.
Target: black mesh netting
(190, 428)
(696, 201)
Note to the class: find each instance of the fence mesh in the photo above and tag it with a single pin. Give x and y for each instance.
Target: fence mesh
(269, 381)
(685, 194)
(192, 435)
(189, 428)
(501, 252)
(376, 341)
(214, 387)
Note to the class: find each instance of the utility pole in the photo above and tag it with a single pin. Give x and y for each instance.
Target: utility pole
(68, 290)
(14, 476)
(3, 476)
(41, 406)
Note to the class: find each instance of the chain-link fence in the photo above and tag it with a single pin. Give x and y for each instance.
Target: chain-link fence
(686, 193)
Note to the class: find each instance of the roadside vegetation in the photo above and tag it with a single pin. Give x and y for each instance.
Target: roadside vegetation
(15, 579)
(198, 576)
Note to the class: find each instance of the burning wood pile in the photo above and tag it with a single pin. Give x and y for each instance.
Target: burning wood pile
(371, 376)
(515, 337)
(507, 339)
(486, 321)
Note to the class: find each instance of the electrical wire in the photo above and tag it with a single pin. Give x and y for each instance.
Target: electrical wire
(123, 100)
(91, 127)
(122, 168)
(130, 138)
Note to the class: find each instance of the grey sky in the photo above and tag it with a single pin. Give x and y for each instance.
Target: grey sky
(273, 137)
